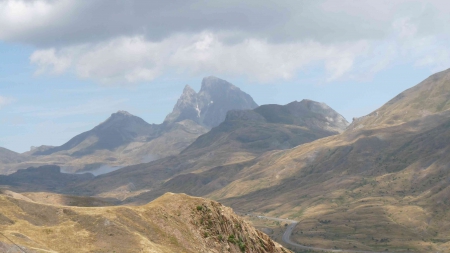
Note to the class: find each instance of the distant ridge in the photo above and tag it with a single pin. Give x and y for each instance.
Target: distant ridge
(124, 139)
(8, 156)
(119, 129)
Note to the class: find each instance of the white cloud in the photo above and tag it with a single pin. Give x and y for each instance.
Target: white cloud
(48, 62)
(5, 101)
(135, 40)
(22, 18)
(134, 59)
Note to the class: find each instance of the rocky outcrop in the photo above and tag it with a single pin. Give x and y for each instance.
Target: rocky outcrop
(210, 106)
(171, 223)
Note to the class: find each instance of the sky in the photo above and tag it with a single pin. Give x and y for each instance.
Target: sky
(66, 65)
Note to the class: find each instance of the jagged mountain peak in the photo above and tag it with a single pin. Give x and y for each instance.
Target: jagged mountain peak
(188, 89)
(212, 82)
(209, 106)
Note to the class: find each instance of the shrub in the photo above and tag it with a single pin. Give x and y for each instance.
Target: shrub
(241, 245)
(232, 239)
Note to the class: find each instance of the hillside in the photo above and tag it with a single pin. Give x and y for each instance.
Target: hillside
(270, 127)
(7, 156)
(380, 185)
(241, 138)
(124, 139)
(383, 185)
(43, 178)
(172, 223)
(426, 98)
(119, 129)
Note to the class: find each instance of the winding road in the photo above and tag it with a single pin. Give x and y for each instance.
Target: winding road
(287, 238)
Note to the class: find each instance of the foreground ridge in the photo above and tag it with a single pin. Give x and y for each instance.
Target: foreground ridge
(171, 223)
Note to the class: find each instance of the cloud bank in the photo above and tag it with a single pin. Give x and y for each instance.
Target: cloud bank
(134, 41)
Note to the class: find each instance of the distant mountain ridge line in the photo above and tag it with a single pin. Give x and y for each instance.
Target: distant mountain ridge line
(124, 139)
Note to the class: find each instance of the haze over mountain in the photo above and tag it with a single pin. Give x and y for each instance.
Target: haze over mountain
(135, 147)
(120, 129)
(377, 185)
(210, 106)
(7, 156)
(242, 137)
(124, 139)
(381, 183)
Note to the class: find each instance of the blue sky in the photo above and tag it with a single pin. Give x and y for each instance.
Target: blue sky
(59, 76)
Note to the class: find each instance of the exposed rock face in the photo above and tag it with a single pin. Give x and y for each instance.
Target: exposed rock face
(210, 106)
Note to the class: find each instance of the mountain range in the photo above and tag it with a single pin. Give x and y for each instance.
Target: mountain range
(124, 139)
(379, 184)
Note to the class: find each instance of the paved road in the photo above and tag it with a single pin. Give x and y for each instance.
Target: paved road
(287, 238)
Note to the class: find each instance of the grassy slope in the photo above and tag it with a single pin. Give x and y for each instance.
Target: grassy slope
(374, 187)
(171, 142)
(172, 223)
(238, 141)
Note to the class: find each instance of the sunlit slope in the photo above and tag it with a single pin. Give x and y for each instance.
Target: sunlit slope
(375, 187)
(172, 223)
(242, 137)
(428, 97)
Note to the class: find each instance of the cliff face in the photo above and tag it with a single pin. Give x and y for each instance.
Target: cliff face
(210, 106)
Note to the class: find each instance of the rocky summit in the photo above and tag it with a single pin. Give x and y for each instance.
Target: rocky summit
(210, 106)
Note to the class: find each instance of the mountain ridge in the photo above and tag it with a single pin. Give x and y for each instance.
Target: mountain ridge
(430, 96)
(124, 139)
(119, 129)
(171, 223)
(234, 141)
